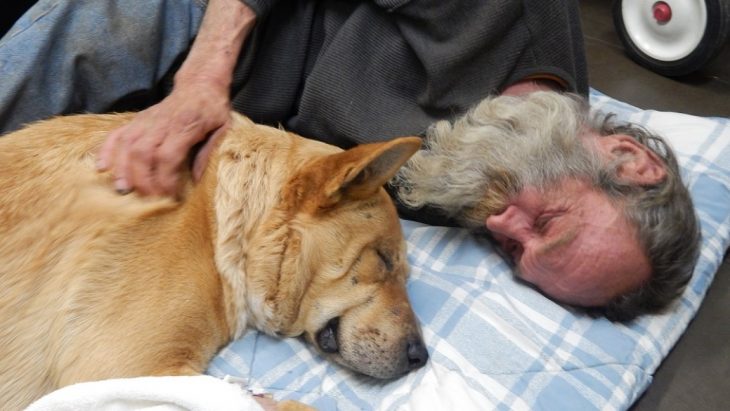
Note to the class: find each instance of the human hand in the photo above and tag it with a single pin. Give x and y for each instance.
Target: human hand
(147, 154)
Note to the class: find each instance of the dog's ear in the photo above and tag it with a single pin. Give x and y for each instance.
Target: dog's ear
(360, 171)
(355, 174)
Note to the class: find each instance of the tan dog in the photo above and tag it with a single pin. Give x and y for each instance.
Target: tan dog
(287, 235)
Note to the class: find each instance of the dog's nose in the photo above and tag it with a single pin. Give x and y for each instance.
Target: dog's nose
(417, 354)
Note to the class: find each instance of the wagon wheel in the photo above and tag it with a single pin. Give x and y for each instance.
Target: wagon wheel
(672, 37)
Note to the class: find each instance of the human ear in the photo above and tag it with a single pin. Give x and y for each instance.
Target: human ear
(637, 163)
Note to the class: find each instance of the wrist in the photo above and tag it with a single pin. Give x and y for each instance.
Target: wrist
(201, 79)
(215, 51)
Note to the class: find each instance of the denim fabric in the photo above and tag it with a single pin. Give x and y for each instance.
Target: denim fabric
(70, 56)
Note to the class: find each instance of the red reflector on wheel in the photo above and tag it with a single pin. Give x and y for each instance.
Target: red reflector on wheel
(662, 12)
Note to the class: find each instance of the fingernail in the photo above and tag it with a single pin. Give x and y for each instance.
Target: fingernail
(121, 186)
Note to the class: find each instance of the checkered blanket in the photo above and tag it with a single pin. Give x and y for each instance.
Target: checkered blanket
(498, 344)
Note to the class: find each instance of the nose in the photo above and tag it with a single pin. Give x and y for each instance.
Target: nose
(416, 353)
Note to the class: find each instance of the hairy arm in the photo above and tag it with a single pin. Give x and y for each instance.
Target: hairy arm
(147, 154)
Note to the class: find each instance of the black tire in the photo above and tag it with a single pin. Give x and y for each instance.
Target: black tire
(716, 34)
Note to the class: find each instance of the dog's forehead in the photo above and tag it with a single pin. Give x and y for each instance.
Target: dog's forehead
(378, 214)
(371, 223)
(382, 226)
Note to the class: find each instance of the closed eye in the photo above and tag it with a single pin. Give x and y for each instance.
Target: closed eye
(387, 261)
(542, 222)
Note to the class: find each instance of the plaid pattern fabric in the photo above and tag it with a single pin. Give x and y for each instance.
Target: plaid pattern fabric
(498, 344)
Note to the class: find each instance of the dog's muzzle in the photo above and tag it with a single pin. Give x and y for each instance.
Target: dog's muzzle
(413, 356)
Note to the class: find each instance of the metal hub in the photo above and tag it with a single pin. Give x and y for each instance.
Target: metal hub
(662, 12)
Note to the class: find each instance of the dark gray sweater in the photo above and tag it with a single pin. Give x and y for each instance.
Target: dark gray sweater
(349, 71)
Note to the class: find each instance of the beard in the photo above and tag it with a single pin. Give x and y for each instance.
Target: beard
(469, 169)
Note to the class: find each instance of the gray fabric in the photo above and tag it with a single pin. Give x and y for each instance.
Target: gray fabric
(73, 56)
(349, 72)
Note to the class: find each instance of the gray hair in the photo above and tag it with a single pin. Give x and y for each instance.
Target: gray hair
(467, 171)
(666, 224)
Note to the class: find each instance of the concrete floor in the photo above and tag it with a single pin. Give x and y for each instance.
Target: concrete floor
(695, 375)
(705, 93)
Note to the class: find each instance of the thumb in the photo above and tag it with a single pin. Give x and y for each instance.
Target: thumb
(201, 158)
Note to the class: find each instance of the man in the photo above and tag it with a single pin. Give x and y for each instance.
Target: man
(341, 71)
(593, 214)
(344, 72)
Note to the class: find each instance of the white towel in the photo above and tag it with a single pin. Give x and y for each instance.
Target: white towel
(193, 393)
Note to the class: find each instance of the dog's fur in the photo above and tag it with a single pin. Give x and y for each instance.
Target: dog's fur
(283, 234)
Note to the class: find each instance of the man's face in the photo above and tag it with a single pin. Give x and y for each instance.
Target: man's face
(571, 242)
(525, 168)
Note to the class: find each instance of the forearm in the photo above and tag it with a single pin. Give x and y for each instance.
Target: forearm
(215, 51)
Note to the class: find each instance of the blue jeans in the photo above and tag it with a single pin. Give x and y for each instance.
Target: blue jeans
(70, 56)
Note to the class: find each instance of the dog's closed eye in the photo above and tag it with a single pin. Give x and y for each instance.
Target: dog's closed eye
(387, 261)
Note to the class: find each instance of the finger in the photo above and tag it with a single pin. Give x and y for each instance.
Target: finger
(202, 157)
(169, 157)
(121, 161)
(106, 152)
(141, 164)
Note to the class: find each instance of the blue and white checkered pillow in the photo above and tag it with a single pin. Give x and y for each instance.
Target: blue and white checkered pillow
(498, 344)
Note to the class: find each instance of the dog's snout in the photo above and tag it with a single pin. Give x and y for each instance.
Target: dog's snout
(417, 354)
(327, 336)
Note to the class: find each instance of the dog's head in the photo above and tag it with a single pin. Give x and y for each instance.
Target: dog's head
(329, 262)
